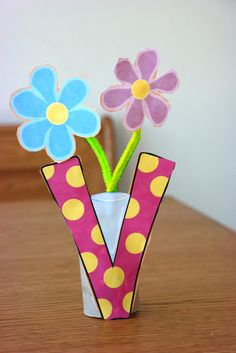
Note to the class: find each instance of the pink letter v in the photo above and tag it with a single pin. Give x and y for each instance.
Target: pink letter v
(113, 283)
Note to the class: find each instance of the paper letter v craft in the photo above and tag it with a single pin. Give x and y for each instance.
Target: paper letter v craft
(113, 283)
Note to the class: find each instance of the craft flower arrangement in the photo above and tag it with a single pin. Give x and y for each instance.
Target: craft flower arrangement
(111, 230)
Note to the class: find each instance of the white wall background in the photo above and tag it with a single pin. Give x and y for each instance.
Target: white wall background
(197, 38)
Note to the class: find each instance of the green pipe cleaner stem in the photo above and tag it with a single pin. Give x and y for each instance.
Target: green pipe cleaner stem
(123, 161)
(102, 159)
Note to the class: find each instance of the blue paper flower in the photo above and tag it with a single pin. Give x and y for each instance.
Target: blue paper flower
(54, 116)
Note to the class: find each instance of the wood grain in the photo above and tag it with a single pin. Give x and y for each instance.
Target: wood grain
(187, 287)
(19, 170)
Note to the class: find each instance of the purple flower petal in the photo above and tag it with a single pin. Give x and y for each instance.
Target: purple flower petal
(156, 109)
(147, 62)
(134, 115)
(125, 72)
(166, 83)
(115, 97)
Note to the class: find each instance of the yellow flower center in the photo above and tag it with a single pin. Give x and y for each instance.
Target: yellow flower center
(140, 89)
(57, 113)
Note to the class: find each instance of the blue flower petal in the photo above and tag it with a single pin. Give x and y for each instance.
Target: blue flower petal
(61, 143)
(73, 92)
(32, 135)
(44, 80)
(84, 122)
(26, 104)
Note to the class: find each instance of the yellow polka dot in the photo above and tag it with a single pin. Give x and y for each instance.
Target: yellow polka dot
(127, 300)
(148, 163)
(133, 208)
(90, 261)
(74, 176)
(73, 209)
(97, 235)
(135, 243)
(158, 185)
(48, 171)
(105, 307)
(114, 277)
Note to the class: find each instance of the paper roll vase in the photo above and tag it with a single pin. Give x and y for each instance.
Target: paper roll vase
(110, 209)
(111, 230)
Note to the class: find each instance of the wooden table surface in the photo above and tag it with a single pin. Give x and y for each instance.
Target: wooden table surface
(187, 287)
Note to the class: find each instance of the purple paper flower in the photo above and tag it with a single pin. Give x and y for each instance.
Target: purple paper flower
(140, 90)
